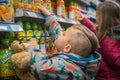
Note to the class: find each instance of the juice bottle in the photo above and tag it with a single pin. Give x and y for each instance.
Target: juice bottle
(38, 31)
(42, 39)
(31, 5)
(47, 46)
(11, 2)
(28, 31)
(53, 5)
(17, 3)
(39, 35)
(36, 4)
(50, 45)
(78, 11)
(60, 8)
(75, 9)
(21, 35)
(25, 4)
(35, 30)
(66, 11)
(71, 13)
(42, 43)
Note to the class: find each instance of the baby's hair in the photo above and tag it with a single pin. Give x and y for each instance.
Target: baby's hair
(83, 41)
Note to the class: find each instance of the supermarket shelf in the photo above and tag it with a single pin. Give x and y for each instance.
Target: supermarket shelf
(9, 27)
(92, 18)
(67, 21)
(31, 16)
(85, 2)
(83, 11)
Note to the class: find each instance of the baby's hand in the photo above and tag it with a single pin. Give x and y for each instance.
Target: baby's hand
(44, 10)
(25, 45)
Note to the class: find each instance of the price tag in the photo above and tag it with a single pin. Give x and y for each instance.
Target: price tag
(16, 28)
(73, 22)
(67, 20)
(3, 28)
(60, 19)
(32, 14)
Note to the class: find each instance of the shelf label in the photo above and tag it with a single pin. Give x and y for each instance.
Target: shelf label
(3, 28)
(72, 21)
(32, 14)
(16, 28)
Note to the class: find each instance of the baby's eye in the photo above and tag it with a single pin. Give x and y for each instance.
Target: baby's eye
(64, 33)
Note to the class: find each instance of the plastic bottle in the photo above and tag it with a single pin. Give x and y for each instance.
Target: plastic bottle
(39, 35)
(42, 43)
(78, 11)
(75, 9)
(17, 3)
(47, 46)
(36, 4)
(53, 3)
(25, 4)
(71, 13)
(60, 8)
(21, 35)
(11, 2)
(34, 28)
(31, 5)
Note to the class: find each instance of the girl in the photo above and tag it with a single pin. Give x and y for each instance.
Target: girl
(108, 33)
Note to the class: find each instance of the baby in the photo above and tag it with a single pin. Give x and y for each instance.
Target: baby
(76, 58)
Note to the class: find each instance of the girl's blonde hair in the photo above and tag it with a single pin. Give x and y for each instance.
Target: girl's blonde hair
(108, 14)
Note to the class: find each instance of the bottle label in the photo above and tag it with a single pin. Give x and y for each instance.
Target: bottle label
(16, 0)
(25, 2)
(71, 15)
(42, 47)
(59, 11)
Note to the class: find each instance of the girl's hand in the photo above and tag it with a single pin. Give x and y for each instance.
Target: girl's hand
(81, 17)
(44, 10)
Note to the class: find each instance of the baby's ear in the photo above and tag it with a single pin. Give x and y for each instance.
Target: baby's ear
(67, 48)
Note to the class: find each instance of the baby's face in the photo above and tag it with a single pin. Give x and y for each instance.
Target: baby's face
(63, 39)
